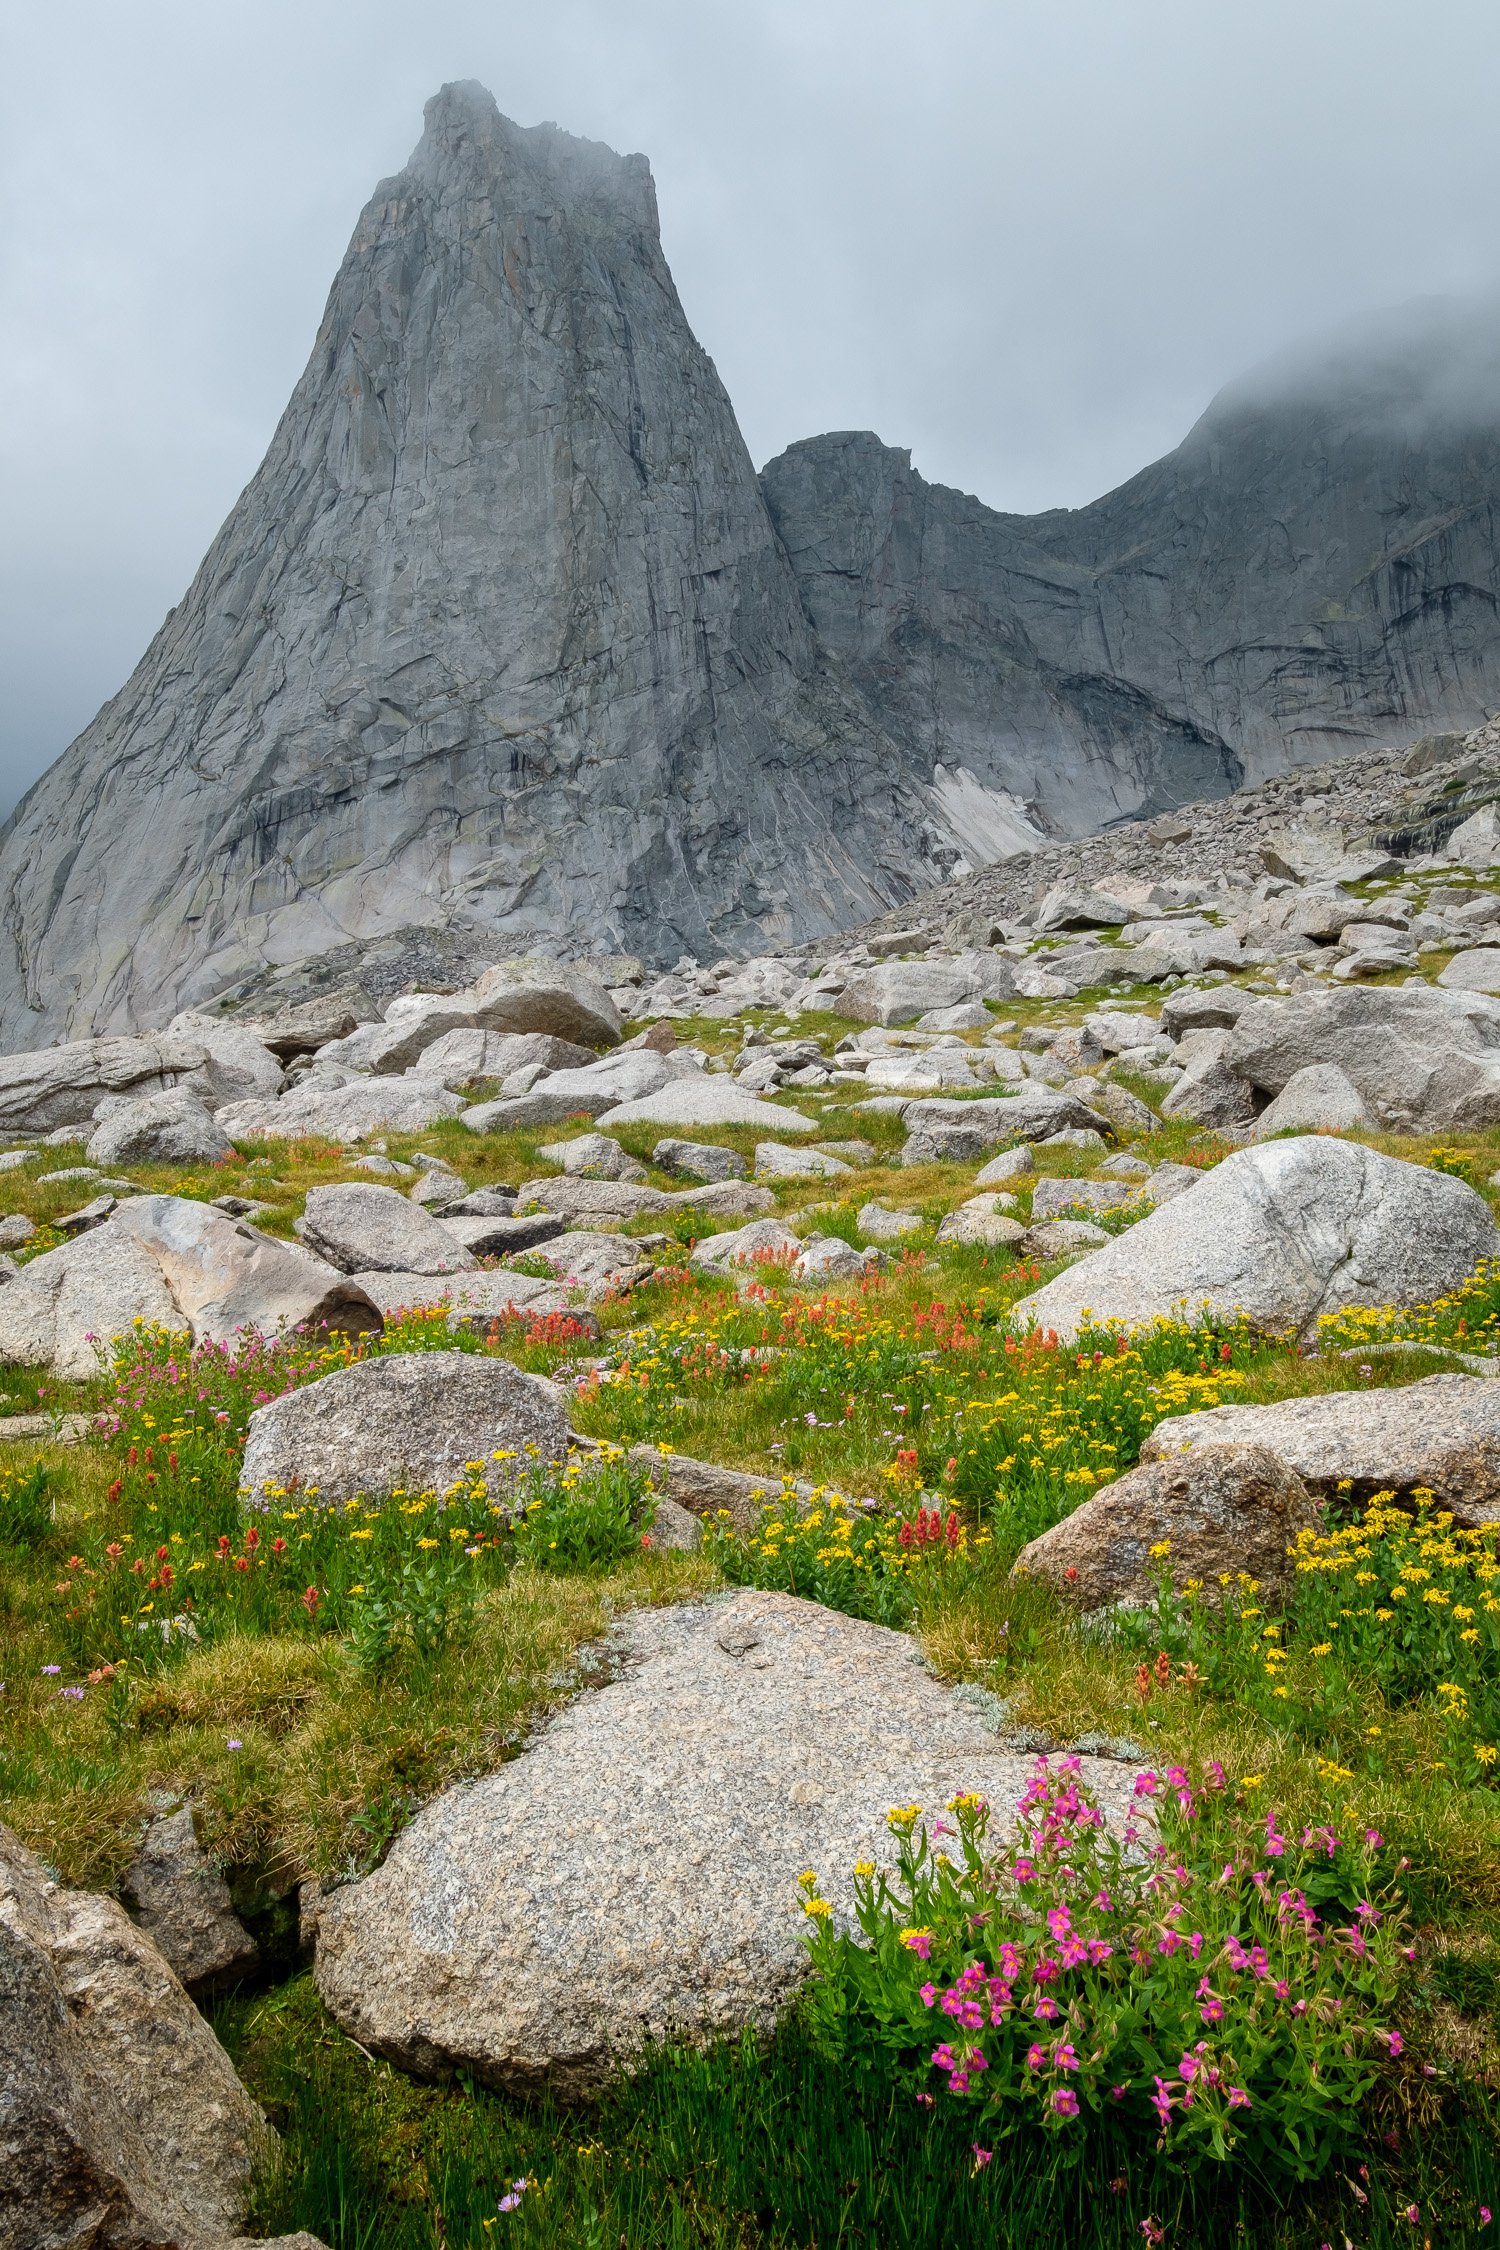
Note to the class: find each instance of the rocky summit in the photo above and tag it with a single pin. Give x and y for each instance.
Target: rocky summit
(505, 647)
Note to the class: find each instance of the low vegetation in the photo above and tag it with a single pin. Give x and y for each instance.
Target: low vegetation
(310, 1675)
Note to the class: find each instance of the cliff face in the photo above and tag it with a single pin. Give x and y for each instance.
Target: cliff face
(506, 640)
(1314, 570)
(500, 634)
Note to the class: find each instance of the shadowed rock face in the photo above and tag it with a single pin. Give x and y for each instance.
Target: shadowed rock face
(506, 641)
(500, 632)
(1313, 570)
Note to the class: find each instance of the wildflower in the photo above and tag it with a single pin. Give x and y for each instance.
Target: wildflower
(510, 2201)
(1064, 2102)
(1394, 2041)
(234, 1743)
(1238, 2098)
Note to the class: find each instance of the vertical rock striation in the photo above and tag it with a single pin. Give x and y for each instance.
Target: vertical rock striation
(505, 645)
(499, 634)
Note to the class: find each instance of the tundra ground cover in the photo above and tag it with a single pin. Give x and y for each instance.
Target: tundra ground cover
(307, 1733)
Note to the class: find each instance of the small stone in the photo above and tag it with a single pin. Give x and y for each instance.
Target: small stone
(416, 1419)
(15, 1230)
(1076, 1137)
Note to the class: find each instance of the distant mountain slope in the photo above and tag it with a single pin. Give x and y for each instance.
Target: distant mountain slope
(1313, 570)
(506, 639)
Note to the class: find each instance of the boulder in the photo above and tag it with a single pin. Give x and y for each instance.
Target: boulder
(1421, 1059)
(51, 1087)
(416, 1419)
(896, 992)
(1442, 1434)
(1125, 1111)
(438, 1189)
(1476, 969)
(463, 1058)
(773, 1162)
(64, 1309)
(1210, 1091)
(1010, 1164)
(953, 1132)
(586, 1092)
(597, 1265)
(122, 2121)
(1193, 1009)
(1476, 841)
(1281, 1234)
(503, 1237)
(763, 1242)
(1317, 1099)
(674, 1528)
(699, 1160)
(701, 1100)
(882, 1224)
(604, 1202)
(319, 1109)
(531, 995)
(312, 1024)
(1059, 1199)
(478, 1203)
(182, 1902)
(1067, 908)
(827, 1257)
(633, 1878)
(923, 1074)
(1060, 1238)
(167, 1128)
(1225, 1507)
(362, 1229)
(983, 1220)
(225, 1276)
(596, 1156)
(236, 1065)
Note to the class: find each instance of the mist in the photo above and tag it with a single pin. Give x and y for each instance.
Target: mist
(1030, 244)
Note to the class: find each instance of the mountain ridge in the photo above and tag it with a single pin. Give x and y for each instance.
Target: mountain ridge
(506, 636)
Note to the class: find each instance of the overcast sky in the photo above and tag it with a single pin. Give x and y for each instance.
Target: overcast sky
(1026, 238)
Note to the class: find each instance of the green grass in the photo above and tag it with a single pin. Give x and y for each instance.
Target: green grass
(747, 2147)
(305, 1757)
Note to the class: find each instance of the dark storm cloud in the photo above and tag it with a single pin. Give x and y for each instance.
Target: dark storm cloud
(1030, 241)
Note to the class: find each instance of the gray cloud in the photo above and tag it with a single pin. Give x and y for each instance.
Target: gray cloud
(1028, 241)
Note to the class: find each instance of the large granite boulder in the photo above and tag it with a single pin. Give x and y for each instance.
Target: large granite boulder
(1420, 1059)
(1441, 1435)
(1281, 1234)
(701, 1100)
(1319, 1098)
(44, 1090)
(348, 1111)
(633, 1878)
(956, 1132)
(418, 1419)
(460, 1059)
(237, 1065)
(167, 1128)
(225, 1276)
(591, 1091)
(1227, 1507)
(897, 992)
(172, 1264)
(122, 2123)
(361, 1228)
